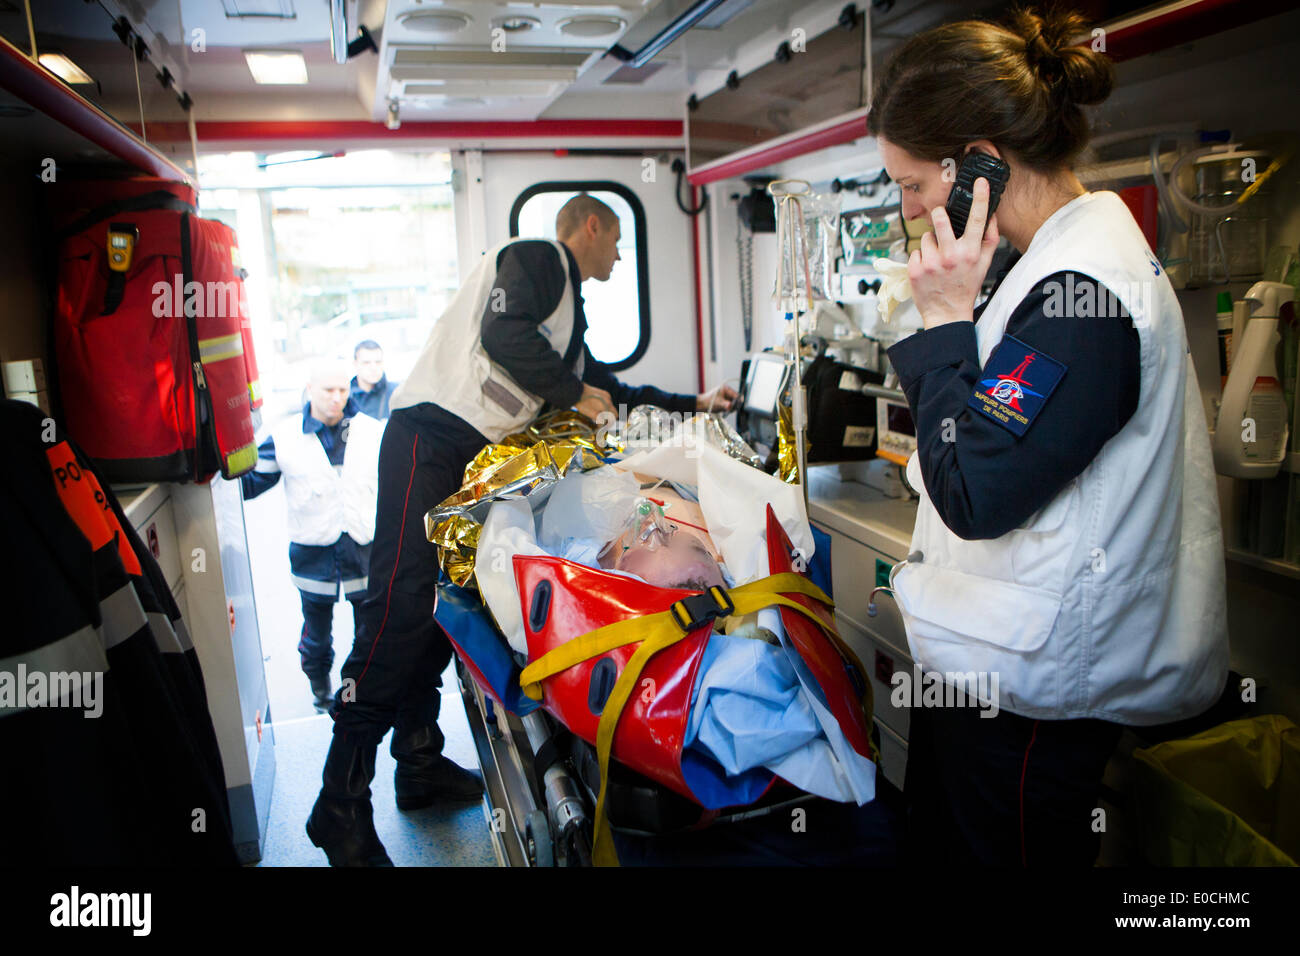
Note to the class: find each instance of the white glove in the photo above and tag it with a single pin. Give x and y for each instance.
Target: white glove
(895, 287)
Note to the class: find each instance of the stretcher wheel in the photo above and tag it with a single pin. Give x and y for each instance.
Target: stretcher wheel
(537, 835)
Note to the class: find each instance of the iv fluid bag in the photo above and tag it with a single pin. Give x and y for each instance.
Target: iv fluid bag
(814, 219)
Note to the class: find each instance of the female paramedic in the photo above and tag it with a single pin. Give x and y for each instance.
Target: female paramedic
(1067, 546)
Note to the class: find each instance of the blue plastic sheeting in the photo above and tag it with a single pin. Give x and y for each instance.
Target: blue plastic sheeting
(757, 706)
(819, 568)
(463, 616)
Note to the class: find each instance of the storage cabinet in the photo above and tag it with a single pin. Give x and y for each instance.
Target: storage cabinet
(196, 533)
(869, 534)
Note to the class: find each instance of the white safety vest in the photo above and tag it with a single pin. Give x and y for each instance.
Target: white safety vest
(455, 373)
(1109, 602)
(324, 502)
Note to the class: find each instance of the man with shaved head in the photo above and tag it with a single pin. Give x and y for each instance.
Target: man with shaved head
(329, 459)
(510, 344)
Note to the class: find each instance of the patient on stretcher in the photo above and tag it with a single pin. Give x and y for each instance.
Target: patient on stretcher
(653, 549)
(675, 521)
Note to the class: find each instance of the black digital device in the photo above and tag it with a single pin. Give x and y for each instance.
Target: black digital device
(764, 384)
(763, 380)
(975, 166)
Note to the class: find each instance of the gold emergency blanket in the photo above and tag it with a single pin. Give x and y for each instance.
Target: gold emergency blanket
(550, 447)
(787, 452)
(517, 466)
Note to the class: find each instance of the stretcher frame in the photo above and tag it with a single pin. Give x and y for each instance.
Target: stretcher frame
(534, 818)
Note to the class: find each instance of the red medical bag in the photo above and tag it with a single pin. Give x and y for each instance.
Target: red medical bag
(155, 365)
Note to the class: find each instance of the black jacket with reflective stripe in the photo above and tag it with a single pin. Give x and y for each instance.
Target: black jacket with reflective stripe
(130, 786)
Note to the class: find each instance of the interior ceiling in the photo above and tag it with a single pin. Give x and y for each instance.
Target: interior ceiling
(438, 59)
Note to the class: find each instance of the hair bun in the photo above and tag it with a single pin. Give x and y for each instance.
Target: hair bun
(1039, 54)
(1079, 73)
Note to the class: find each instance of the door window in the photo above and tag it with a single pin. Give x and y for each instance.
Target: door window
(618, 310)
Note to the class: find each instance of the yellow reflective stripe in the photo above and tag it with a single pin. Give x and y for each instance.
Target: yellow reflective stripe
(662, 634)
(255, 391)
(747, 598)
(81, 652)
(242, 460)
(220, 348)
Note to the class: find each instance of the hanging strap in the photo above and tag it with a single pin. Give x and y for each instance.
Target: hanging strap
(159, 199)
(656, 632)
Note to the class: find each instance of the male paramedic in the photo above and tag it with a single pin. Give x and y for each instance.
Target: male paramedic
(510, 343)
(371, 389)
(329, 458)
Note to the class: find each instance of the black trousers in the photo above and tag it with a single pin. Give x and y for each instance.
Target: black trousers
(394, 671)
(316, 643)
(319, 571)
(1004, 790)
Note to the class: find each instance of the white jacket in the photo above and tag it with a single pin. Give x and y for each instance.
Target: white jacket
(1110, 601)
(325, 502)
(455, 372)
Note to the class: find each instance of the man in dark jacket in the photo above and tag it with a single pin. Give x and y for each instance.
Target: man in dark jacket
(371, 389)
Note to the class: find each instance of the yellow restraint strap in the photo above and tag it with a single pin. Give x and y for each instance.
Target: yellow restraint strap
(656, 632)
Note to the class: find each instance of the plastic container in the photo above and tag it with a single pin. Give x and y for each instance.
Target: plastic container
(1229, 796)
(1224, 316)
(1230, 245)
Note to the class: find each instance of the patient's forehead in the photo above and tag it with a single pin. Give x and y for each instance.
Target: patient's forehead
(668, 566)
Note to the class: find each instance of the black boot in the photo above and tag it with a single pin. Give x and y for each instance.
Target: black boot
(321, 690)
(342, 821)
(424, 776)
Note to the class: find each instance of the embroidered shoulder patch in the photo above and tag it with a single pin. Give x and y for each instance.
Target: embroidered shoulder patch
(1015, 385)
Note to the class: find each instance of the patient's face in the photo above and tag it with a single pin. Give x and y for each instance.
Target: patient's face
(679, 560)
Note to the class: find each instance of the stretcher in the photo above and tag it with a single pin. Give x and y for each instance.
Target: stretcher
(543, 779)
(589, 718)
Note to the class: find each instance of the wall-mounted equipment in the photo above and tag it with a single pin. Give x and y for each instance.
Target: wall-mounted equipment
(755, 212)
(895, 430)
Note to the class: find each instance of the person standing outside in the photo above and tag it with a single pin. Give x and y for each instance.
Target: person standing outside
(510, 343)
(328, 457)
(371, 389)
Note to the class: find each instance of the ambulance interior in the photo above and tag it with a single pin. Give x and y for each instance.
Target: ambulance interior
(384, 146)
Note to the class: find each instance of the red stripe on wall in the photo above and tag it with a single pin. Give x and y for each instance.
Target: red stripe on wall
(318, 130)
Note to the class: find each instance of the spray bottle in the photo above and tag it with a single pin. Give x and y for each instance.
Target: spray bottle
(1250, 438)
(1224, 316)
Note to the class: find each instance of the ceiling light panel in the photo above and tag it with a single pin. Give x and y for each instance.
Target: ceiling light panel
(276, 67)
(281, 9)
(64, 68)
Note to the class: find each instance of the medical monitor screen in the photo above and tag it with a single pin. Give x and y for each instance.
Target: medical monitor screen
(900, 419)
(765, 377)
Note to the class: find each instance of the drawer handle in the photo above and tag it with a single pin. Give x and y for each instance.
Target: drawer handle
(884, 669)
(914, 558)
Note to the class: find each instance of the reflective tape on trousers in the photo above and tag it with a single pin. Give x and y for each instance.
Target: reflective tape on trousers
(80, 652)
(123, 616)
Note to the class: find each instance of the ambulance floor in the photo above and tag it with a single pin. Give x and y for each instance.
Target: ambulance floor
(437, 836)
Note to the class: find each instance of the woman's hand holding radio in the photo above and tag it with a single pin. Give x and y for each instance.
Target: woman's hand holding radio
(946, 272)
